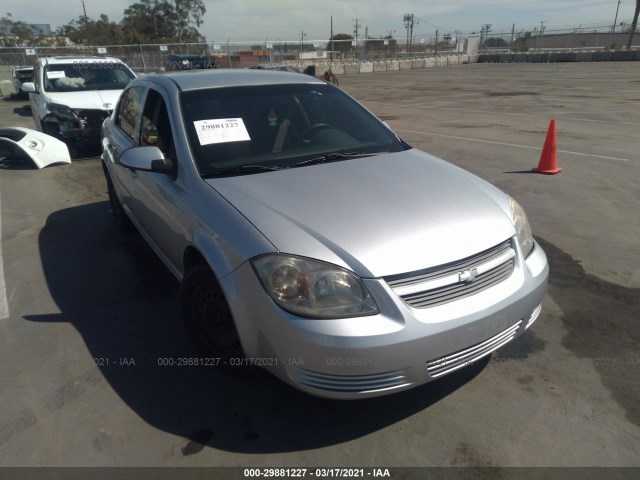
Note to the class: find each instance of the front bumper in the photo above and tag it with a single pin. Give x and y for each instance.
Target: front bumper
(399, 348)
(85, 128)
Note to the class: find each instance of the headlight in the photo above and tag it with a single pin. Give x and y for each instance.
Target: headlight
(523, 230)
(61, 110)
(309, 288)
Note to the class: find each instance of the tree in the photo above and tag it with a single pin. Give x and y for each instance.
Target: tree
(163, 21)
(341, 42)
(22, 35)
(378, 43)
(97, 32)
(190, 14)
(150, 21)
(634, 24)
(494, 42)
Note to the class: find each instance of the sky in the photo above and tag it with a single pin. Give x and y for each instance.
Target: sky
(247, 20)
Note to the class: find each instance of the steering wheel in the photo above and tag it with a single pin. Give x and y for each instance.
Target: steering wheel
(310, 131)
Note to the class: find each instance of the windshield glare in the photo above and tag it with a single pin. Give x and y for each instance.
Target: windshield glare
(86, 76)
(278, 126)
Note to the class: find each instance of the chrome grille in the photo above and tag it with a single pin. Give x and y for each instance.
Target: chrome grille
(349, 383)
(444, 284)
(443, 365)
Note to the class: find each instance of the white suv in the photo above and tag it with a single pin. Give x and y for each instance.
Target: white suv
(71, 96)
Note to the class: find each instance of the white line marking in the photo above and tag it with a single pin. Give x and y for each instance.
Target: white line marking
(564, 99)
(4, 305)
(510, 144)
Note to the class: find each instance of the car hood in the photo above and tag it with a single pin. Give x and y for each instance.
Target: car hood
(378, 216)
(90, 99)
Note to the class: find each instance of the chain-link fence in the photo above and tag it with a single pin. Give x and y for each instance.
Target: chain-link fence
(575, 37)
(235, 54)
(136, 56)
(241, 54)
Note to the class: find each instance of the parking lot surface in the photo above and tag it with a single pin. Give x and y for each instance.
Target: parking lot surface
(90, 317)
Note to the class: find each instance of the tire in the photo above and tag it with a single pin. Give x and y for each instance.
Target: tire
(123, 222)
(209, 321)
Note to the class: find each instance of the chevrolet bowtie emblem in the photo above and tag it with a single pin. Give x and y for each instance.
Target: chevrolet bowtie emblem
(468, 276)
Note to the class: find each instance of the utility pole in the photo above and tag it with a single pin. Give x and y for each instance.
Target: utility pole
(540, 36)
(408, 24)
(331, 37)
(486, 28)
(634, 25)
(356, 28)
(302, 35)
(436, 46)
(366, 35)
(513, 31)
(86, 28)
(613, 28)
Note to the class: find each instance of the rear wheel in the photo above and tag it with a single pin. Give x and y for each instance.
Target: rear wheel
(209, 321)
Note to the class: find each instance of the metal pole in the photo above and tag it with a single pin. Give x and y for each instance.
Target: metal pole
(86, 29)
(513, 31)
(540, 37)
(613, 29)
(331, 38)
(144, 67)
(411, 38)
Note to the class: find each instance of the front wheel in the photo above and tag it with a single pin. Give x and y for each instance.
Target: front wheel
(208, 318)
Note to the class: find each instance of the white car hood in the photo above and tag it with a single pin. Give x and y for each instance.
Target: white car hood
(91, 99)
(43, 149)
(378, 216)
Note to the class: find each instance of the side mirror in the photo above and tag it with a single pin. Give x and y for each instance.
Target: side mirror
(146, 159)
(28, 87)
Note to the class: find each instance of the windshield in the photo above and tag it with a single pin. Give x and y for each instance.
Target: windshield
(79, 76)
(242, 129)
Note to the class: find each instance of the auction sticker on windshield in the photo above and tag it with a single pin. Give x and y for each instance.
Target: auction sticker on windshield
(221, 131)
(51, 74)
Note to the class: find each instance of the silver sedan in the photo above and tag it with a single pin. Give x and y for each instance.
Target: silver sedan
(312, 241)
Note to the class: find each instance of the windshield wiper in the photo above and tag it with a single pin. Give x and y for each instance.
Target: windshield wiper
(333, 157)
(241, 169)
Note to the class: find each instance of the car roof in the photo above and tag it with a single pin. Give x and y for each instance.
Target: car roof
(76, 58)
(268, 65)
(202, 79)
(187, 55)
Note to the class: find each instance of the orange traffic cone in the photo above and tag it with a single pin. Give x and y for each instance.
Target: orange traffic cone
(548, 160)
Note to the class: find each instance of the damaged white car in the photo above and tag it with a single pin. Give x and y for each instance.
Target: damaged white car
(71, 96)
